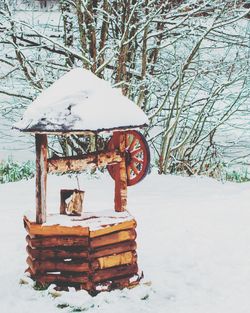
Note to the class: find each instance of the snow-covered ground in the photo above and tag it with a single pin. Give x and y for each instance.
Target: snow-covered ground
(193, 246)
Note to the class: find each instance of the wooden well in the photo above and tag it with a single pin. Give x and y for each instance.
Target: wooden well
(82, 255)
(96, 258)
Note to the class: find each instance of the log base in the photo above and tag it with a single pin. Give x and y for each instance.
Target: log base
(91, 252)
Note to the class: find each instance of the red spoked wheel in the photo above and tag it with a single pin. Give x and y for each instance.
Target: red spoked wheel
(137, 157)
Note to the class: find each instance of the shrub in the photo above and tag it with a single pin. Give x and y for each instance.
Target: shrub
(11, 171)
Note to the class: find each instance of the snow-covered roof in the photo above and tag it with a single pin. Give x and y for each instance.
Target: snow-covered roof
(81, 101)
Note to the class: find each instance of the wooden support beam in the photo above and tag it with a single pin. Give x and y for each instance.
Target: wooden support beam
(41, 177)
(76, 163)
(120, 173)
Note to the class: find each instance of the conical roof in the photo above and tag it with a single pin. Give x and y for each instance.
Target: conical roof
(80, 101)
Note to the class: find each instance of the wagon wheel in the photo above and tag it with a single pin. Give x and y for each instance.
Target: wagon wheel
(137, 157)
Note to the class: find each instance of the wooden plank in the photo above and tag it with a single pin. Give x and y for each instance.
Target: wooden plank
(61, 286)
(57, 241)
(118, 283)
(49, 266)
(61, 278)
(112, 228)
(41, 177)
(54, 230)
(65, 164)
(55, 253)
(128, 257)
(87, 286)
(120, 173)
(110, 239)
(79, 280)
(115, 272)
(113, 249)
(71, 201)
(121, 283)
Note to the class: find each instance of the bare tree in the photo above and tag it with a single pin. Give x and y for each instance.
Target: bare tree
(184, 62)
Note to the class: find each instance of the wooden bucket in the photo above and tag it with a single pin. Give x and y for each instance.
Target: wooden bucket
(71, 202)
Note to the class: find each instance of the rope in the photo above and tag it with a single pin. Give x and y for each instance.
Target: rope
(78, 184)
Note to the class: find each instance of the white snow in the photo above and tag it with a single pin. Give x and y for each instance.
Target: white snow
(193, 247)
(80, 101)
(93, 220)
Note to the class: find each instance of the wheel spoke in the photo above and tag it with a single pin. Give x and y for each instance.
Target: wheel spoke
(134, 168)
(135, 152)
(127, 141)
(133, 143)
(135, 159)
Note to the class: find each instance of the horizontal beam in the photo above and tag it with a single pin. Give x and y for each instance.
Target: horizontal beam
(115, 248)
(124, 235)
(115, 272)
(38, 266)
(74, 164)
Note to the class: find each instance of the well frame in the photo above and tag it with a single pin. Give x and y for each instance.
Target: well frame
(45, 165)
(95, 260)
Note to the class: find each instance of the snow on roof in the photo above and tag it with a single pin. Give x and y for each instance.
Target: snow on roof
(81, 101)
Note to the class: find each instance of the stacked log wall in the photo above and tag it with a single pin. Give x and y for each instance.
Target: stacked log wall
(113, 256)
(101, 259)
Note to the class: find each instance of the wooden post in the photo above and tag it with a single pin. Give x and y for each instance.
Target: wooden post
(41, 177)
(120, 174)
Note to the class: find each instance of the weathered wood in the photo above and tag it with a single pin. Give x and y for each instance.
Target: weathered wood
(110, 239)
(118, 283)
(55, 253)
(85, 260)
(57, 241)
(125, 282)
(41, 177)
(75, 204)
(64, 195)
(112, 228)
(57, 266)
(61, 278)
(120, 173)
(65, 164)
(113, 249)
(128, 257)
(87, 286)
(54, 230)
(115, 272)
(78, 280)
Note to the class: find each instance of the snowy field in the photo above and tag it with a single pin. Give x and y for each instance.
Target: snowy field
(193, 246)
